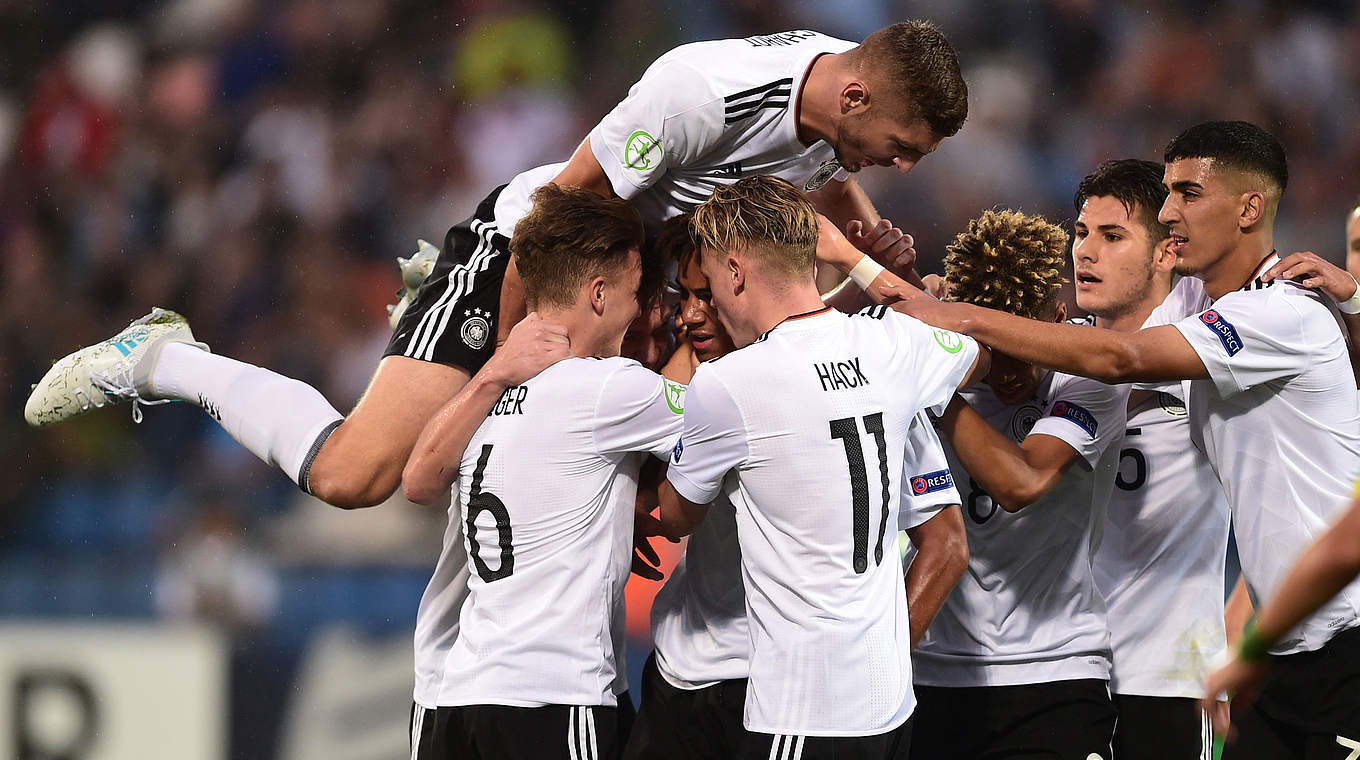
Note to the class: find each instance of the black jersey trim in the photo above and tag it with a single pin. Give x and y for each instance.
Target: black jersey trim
(1254, 280)
(747, 103)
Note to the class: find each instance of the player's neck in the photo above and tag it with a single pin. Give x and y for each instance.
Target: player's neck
(1236, 267)
(819, 100)
(770, 307)
(1133, 318)
(584, 331)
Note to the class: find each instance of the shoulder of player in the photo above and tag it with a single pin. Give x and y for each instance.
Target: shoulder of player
(1276, 300)
(1062, 384)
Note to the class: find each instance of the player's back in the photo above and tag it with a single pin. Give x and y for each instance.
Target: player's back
(545, 493)
(821, 404)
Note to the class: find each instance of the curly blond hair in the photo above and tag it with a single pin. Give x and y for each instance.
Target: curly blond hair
(1008, 261)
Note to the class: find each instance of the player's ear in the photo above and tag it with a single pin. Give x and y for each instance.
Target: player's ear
(1253, 208)
(596, 294)
(854, 96)
(1163, 260)
(736, 269)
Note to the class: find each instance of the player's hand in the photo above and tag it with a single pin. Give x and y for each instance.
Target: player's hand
(1313, 271)
(936, 286)
(646, 562)
(1240, 681)
(533, 345)
(884, 243)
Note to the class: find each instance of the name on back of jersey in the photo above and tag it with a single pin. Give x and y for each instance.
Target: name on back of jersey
(838, 375)
(511, 401)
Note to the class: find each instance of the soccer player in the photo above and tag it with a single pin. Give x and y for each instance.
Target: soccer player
(1160, 566)
(545, 498)
(799, 105)
(1272, 403)
(1018, 659)
(694, 684)
(804, 430)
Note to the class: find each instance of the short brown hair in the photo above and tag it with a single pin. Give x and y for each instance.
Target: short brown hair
(1008, 261)
(764, 216)
(915, 61)
(570, 236)
(675, 242)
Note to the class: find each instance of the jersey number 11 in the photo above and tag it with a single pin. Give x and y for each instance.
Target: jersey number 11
(847, 431)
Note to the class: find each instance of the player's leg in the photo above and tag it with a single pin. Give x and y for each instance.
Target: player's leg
(1161, 728)
(686, 724)
(1053, 720)
(949, 723)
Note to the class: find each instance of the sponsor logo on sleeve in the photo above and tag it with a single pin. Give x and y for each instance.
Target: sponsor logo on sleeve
(642, 151)
(1227, 334)
(932, 482)
(675, 396)
(949, 341)
(677, 451)
(1077, 414)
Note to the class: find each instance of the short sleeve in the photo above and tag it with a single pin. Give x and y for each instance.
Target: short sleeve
(935, 360)
(1252, 337)
(712, 443)
(638, 410)
(1086, 414)
(928, 484)
(669, 118)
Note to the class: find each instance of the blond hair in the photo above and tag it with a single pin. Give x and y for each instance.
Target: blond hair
(764, 217)
(1008, 261)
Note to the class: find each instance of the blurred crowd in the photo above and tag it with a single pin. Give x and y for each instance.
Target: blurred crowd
(258, 165)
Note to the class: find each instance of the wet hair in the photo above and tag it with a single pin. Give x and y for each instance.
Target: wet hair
(1010, 262)
(764, 217)
(916, 62)
(571, 236)
(1135, 183)
(1238, 145)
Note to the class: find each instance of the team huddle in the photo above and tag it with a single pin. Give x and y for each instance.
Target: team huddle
(1066, 486)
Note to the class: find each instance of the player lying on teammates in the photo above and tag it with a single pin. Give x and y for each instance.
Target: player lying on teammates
(804, 430)
(799, 105)
(694, 684)
(546, 464)
(1272, 403)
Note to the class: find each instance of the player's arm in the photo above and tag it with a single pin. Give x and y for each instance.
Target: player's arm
(941, 560)
(1016, 475)
(679, 516)
(1326, 567)
(534, 345)
(712, 443)
(1151, 355)
(584, 170)
(1237, 611)
(849, 210)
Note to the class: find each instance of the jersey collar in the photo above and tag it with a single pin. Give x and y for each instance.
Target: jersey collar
(798, 102)
(793, 318)
(1254, 280)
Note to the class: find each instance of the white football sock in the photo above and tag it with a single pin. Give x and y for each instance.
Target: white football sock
(277, 418)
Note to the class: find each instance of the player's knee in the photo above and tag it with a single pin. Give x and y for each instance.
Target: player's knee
(354, 486)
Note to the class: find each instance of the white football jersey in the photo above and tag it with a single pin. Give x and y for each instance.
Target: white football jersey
(1027, 609)
(1161, 563)
(699, 617)
(1279, 422)
(704, 115)
(545, 499)
(805, 432)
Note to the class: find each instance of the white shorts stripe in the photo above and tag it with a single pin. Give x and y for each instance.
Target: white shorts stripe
(593, 747)
(467, 275)
(1207, 733)
(571, 735)
(798, 749)
(426, 334)
(774, 747)
(417, 724)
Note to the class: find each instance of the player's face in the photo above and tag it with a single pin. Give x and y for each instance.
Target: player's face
(648, 337)
(869, 139)
(1112, 257)
(1012, 380)
(1202, 211)
(620, 301)
(706, 334)
(723, 295)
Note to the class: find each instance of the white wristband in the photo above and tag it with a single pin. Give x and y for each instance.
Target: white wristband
(865, 271)
(1348, 306)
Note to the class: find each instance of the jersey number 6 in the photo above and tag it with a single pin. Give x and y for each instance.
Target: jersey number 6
(848, 432)
(484, 501)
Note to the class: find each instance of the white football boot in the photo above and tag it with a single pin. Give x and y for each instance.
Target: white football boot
(108, 373)
(413, 272)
